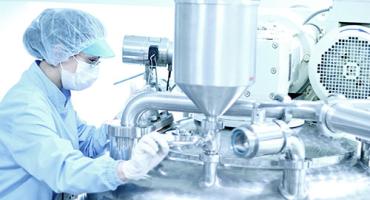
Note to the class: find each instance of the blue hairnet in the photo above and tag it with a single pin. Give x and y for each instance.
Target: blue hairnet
(57, 34)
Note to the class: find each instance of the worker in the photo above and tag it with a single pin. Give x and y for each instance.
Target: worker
(46, 150)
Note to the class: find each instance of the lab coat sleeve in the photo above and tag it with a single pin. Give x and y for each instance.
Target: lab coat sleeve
(32, 141)
(92, 141)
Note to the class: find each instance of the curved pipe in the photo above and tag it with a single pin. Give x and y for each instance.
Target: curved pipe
(274, 138)
(154, 101)
(293, 184)
(180, 103)
(295, 149)
(346, 118)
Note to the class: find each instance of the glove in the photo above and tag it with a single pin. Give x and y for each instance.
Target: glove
(148, 153)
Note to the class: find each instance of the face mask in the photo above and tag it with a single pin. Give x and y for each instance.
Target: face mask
(85, 75)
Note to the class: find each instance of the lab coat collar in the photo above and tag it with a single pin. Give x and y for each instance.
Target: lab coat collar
(59, 97)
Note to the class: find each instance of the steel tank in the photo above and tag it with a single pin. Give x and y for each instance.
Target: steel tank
(214, 57)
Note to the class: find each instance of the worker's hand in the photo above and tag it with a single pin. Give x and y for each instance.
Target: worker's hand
(148, 153)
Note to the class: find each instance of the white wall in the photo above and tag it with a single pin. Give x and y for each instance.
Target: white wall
(103, 100)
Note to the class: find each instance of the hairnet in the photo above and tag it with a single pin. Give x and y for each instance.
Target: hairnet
(57, 34)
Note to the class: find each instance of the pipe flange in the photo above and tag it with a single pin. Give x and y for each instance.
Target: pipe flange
(122, 132)
(212, 125)
(323, 126)
(249, 147)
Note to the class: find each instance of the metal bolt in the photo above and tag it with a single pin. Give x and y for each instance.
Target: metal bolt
(273, 70)
(275, 45)
(153, 118)
(306, 57)
(247, 93)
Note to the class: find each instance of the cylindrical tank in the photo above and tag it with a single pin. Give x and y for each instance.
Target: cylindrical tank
(215, 43)
(136, 49)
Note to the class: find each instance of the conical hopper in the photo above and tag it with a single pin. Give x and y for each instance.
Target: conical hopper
(215, 51)
(212, 101)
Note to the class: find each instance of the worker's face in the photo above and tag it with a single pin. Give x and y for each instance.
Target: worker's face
(72, 63)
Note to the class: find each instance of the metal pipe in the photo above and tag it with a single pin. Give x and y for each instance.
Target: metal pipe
(293, 184)
(295, 148)
(336, 118)
(210, 177)
(155, 101)
(180, 103)
(273, 138)
(258, 140)
(211, 135)
(365, 153)
(136, 50)
(359, 103)
(345, 118)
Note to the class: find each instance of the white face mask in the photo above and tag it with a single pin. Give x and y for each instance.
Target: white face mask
(85, 75)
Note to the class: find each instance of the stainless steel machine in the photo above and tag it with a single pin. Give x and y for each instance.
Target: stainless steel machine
(283, 147)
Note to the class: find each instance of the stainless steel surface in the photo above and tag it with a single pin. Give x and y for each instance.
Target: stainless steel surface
(209, 178)
(338, 181)
(210, 128)
(345, 118)
(295, 148)
(210, 132)
(135, 50)
(173, 102)
(272, 138)
(154, 101)
(212, 101)
(360, 103)
(214, 51)
(320, 151)
(293, 184)
(123, 138)
(365, 153)
(146, 101)
(258, 139)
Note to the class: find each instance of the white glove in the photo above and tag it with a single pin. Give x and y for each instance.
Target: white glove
(148, 153)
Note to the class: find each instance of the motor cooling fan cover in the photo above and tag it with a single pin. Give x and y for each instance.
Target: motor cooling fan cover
(340, 63)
